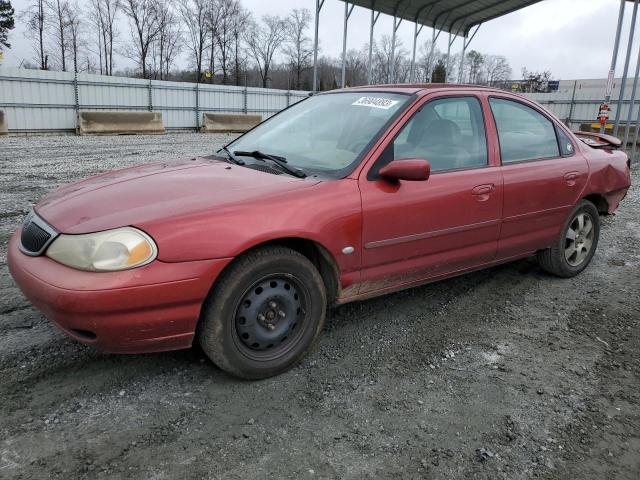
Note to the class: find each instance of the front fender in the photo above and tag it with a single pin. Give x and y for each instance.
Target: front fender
(329, 214)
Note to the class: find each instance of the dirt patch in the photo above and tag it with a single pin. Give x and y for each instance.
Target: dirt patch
(506, 373)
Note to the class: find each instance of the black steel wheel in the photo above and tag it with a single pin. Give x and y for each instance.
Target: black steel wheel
(263, 313)
(268, 315)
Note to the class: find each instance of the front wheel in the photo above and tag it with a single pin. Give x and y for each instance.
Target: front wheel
(264, 313)
(571, 254)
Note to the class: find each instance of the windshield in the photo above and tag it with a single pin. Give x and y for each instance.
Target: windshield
(324, 134)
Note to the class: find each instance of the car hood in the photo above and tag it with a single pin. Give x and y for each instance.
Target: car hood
(155, 191)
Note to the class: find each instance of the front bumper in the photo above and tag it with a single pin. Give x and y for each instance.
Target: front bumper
(148, 309)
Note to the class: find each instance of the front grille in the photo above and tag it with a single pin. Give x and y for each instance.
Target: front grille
(265, 168)
(34, 238)
(36, 235)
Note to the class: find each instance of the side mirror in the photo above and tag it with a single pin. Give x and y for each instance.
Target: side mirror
(412, 169)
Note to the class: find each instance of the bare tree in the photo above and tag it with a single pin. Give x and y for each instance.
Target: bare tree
(229, 10)
(474, 63)
(145, 27)
(214, 17)
(103, 15)
(298, 48)
(95, 19)
(497, 68)
(356, 67)
(263, 41)
(169, 40)
(452, 71)
(430, 55)
(536, 82)
(58, 13)
(74, 26)
(382, 61)
(35, 18)
(241, 21)
(195, 15)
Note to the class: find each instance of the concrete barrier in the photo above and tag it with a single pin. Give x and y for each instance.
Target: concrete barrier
(4, 130)
(228, 123)
(119, 123)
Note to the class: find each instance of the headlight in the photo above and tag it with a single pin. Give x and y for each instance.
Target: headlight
(118, 249)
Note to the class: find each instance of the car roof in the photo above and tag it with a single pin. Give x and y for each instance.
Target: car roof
(416, 88)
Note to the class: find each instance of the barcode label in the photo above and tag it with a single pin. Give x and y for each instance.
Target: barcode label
(375, 102)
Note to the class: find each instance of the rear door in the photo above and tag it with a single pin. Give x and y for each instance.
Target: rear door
(543, 174)
(413, 231)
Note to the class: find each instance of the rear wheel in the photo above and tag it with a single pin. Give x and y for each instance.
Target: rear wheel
(263, 313)
(573, 252)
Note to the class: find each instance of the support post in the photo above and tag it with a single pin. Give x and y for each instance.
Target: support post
(150, 96)
(347, 14)
(416, 33)
(632, 103)
(434, 37)
(464, 48)
(319, 4)
(392, 68)
(75, 90)
(625, 71)
(245, 100)
(197, 90)
(614, 58)
(466, 41)
(571, 106)
(449, 42)
(374, 19)
(635, 137)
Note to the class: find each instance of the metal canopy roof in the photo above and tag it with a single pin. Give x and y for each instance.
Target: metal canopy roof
(455, 16)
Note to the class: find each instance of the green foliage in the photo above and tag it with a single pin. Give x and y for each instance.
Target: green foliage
(7, 22)
(439, 74)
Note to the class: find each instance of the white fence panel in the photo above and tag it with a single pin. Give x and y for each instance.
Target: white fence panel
(37, 100)
(47, 101)
(176, 101)
(98, 92)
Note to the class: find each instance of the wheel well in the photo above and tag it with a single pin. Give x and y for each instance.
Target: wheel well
(600, 202)
(318, 255)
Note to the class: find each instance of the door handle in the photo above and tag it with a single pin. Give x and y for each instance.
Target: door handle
(483, 189)
(571, 177)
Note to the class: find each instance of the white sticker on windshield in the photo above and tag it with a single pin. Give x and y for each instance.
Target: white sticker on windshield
(375, 102)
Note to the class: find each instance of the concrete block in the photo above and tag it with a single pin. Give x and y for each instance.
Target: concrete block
(4, 129)
(119, 123)
(228, 123)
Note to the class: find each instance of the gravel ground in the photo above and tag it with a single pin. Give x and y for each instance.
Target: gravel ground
(506, 373)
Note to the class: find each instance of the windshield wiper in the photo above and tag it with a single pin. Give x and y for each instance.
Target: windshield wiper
(280, 161)
(232, 159)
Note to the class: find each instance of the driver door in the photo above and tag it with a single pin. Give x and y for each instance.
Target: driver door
(414, 231)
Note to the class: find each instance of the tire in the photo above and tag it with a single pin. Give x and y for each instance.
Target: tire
(568, 257)
(263, 314)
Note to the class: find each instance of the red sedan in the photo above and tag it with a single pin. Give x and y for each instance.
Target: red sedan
(343, 196)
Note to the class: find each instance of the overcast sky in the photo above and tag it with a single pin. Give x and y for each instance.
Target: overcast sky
(572, 38)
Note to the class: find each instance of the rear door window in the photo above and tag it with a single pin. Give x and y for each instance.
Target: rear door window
(524, 134)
